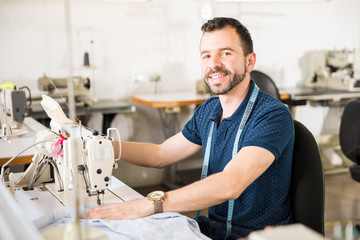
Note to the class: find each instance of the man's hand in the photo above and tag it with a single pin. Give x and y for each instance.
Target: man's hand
(132, 209)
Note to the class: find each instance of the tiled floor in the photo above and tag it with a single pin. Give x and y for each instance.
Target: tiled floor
(342, 199)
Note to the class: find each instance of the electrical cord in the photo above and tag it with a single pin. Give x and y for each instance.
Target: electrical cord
(33, 175)
(30, 100)
(43, 163)
(12, 159)
(53, 163)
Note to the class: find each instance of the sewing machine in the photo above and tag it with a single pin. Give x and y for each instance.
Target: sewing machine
(66, 153)
(335, 69)
(81, 88)
(72, 151)
(13, 109)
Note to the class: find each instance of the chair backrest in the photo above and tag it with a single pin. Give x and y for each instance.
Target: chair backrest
(307, 183)
(265, 83)
(349, 134)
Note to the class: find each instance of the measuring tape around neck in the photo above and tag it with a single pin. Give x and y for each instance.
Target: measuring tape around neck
(205, 167)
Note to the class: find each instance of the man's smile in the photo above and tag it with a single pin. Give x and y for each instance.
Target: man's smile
(217, 77)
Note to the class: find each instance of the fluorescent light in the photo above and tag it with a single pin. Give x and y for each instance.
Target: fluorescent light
(270, 1)
(127, 1)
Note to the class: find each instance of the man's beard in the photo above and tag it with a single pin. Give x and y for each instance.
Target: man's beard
(234, 80)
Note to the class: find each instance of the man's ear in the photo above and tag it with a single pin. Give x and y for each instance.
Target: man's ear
(250, 62)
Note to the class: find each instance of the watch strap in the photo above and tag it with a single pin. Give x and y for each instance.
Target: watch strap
(158, 206)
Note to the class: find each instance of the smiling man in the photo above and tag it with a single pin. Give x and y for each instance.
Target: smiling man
(215, 63)
(246, 136)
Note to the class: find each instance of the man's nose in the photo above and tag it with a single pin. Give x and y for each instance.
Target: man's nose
(215, 62)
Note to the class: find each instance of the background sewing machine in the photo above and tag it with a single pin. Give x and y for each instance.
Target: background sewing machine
(13, 109)
(335, 70)
(57, 88)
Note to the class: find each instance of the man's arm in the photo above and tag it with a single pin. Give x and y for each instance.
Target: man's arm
(239, 173)
(171, 151)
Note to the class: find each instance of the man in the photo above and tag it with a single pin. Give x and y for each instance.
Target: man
(247, 138)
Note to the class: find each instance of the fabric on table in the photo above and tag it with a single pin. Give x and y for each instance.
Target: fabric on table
(158, 226)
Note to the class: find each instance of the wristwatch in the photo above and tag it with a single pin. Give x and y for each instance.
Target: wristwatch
(157, 197)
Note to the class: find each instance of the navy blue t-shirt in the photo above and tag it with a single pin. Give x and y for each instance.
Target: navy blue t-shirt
(270, 125)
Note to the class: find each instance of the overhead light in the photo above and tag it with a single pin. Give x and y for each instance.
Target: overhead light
(270, 1)
(127, 1)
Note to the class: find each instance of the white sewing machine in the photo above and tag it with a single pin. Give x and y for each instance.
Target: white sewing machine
(335, 69)
(64, 143)
(42, 190)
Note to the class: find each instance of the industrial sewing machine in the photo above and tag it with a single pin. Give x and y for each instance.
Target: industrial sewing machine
(335, 69)
(13, 109)
(81, 88)
(94, 155)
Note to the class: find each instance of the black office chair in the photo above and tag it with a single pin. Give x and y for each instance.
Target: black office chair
(307, 182)
(349, 135)
(265, 83)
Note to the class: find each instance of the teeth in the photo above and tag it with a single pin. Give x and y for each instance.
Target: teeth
(219, 76)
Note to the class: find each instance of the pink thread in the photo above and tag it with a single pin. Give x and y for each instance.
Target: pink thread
(57, 144)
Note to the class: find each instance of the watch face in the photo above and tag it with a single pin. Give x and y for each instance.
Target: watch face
(156, 195)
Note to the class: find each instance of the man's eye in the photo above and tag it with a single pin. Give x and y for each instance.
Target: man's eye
(226, 53)
(206, 56)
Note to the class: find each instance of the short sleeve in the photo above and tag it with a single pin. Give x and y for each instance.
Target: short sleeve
(273, 131)
(197, 128)
(191, 130)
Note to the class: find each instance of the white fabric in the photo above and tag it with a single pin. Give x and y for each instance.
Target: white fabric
(159, 226)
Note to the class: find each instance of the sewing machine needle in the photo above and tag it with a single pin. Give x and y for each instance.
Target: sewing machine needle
(98, 199)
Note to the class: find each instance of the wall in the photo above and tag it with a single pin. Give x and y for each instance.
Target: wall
(128, 40)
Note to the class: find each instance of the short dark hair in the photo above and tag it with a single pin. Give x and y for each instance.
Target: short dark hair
(222, 22)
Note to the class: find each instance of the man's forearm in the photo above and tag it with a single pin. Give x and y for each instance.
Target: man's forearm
(172, 150)
(141, 154)
(202, 194)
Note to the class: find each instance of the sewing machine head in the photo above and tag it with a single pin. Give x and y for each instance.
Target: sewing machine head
(93, 153)
(335, 69)
(81, 88)
(75, 153)
(13, 109)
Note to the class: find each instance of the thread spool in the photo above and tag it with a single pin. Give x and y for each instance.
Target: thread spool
(86, 59)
